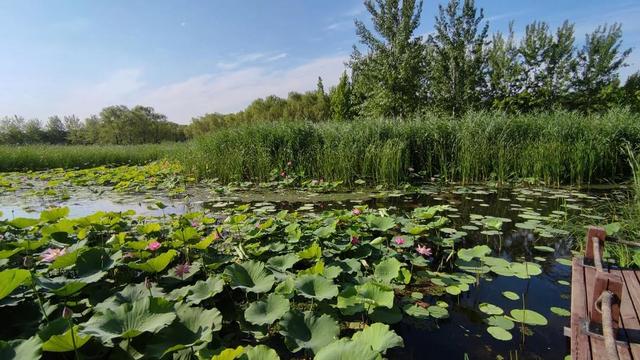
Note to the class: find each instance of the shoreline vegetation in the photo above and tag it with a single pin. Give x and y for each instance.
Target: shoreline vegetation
(557, 148)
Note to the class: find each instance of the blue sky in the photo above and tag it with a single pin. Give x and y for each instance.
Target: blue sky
(187, 58)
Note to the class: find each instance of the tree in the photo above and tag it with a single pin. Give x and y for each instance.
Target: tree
(504, 73)
(387, 79)
(456, 57)
(631, 92)
(55, 131)
(74, 128)
(322, 107)
(548, 64)
(599, 61)
(33, 133)
(340, 97)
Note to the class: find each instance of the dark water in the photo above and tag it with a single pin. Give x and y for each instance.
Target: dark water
(464, 332)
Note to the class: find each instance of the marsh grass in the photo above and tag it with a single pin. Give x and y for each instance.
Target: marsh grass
(41, 157)
(557, 148)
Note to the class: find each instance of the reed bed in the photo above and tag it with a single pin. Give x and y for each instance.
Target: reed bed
(41, 157)
(558, 148)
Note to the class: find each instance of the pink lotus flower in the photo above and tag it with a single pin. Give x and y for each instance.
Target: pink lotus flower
(355, 240)
(283, 174)
(423, 250)
(51, 254)
(356, 211)
(67, 313)
(147, 283)
(182, 269)
(154, 245)
(399, 241)
(195, 223)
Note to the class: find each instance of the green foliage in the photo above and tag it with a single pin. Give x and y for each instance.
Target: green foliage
(555, 148)
(456, 57)
(387, 78)
(41, 157)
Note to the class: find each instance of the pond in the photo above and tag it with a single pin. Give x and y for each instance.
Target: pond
(517, 224)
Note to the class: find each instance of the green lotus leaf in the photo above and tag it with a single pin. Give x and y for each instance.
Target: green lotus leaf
(29, 349)
(490, 309)
(560, 311)
(387, 269)
(325, 231)
(155, 264)
(267, 311)
(203, 290)
(5, 254)
(193, 329)
(316, 287)
(10, 280)
(312, 252)
(286, 287)
(612, 228)
(54, 214)
(259, 352)
(306, 331)
(229, 354)
(473, 266)
(544, 248)
(453, 290)
(387, 316)
(250, 276)
(492, 223)
(478, 251)
(499, 333)
(528, 317)
(379, 337)
(149, 314)
(510, 295)
(380, 223)
(373, 295)
(566, 262)
(345, 349)
(65, 342)
(416, 311)
(23, 223)
(61, 286)
(438, 312)
(500, 321)
(283, 263)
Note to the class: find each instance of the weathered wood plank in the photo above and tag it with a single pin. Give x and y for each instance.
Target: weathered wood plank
(629, 310)
(580, 347)
(597, 343)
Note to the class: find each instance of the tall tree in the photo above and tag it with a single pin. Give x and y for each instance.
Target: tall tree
(341, 99)
(456, 57)
(548, 63)
(387, 78)
(322, 107)
(631, 92)
(504, 72)
(599, 63)
(55, 131)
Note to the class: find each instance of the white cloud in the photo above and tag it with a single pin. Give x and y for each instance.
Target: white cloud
(228, 91)
(251, 58)
(120, 87)
(234, 90)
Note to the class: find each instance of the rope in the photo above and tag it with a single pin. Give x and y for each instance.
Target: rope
(603, 306)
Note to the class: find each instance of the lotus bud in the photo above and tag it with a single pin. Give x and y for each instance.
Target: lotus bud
(147, 283)
(67, 313)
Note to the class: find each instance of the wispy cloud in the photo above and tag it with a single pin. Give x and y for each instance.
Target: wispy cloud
(250, 58)
(508, 15)
(228, 91)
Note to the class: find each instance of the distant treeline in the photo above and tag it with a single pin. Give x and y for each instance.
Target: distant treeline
(459, 67)
(114, 125)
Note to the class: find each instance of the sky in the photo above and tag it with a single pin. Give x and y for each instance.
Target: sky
(188, 58)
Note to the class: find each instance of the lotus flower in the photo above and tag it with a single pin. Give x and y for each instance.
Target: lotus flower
(283, 174)
(147, 283)
(289, 163)
(356, 211)
(423, 250)
(399, 241)
(154, 245)
(51, 254)
(182, 269)
(355, 240)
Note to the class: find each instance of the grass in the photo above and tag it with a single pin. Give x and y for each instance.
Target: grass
(41, 157)
(557, 148)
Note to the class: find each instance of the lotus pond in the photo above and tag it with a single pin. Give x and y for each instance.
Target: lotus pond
(143, 263)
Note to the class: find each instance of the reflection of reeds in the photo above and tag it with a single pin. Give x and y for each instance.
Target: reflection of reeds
(557, 148)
